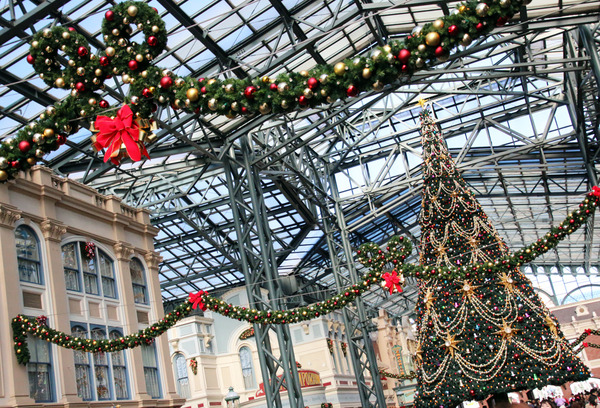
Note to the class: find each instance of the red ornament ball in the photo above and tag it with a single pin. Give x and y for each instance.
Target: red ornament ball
(453, 30)
(80, 86)
(103, 104)
(30, 59)
(501, 21)
(133, 65)
(244, 110)
(155, 10)
(440, 51)
(61, 139)
(273, 87)
(404, 68)
(166, 82)
(110, 15)
(249, 92)
(24, 146)
(146, 93)
(302, 100)
(203, 89)
(313, 83)
(352, 91)
(152, 41)
(104, 61)
(82, 51)
(72, 29)
(200, 79)
(404, 55)
(479, 26)
(15, 164)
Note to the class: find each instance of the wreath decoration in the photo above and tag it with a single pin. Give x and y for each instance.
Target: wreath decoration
(150, 86)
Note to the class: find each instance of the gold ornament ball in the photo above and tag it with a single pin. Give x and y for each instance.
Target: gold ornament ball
(378, 86)
(438, 24)
(115, 32)
(144, 74)
(162, 99)
(60, 82)
(140, 26)
(82, 113)
(122, 42)
(421, 48)
(265, 79)
(110, 51)
(31, 161)
(129, 50)
(387, 48)
(462, 9)
(212, 104)
(192, 94)
(125, 20)
(92, 101)
(132, 11)
(35, 44)
(3, 163)
(416, 31)
(419, 62)
(376, 54)
(466, 40)
(49, 49)
(96, 81)
(37, 139)
(39, 153)
(74, 93)
(211, 81)
(323, 92)
(504, 3)
(80, 71)
(282, 87)
(66, 35)
(304, 73)
(135, 100)
(139, 57)
(149, 57)
(50, 110)
(324, 79)
(339, 68)
(4, 177)
(235, 106)
(48, 61)
(42, 116)
(482, 9)
(264, 108)
(330, 99)
(47, 33)
(166, 72)
(126, 78)
(179, 82)
(231, 114)
(152, 89)
(432, 39)
(229, 88)
(115, 70)
(155, 29)
(366, 73)
(72, 63)
(48, 133)
(308, 93)
(98, 72)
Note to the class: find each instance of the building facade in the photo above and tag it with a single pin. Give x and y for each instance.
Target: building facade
(85, 263)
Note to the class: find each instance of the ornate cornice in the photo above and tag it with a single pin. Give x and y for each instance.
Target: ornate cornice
(123, 250)
(152, 259)
(9, 215)
(53, 230)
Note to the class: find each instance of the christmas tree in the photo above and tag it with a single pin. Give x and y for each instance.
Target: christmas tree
(485, 334)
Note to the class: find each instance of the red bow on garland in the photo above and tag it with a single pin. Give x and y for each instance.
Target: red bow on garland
(197, 301)
(118, 132)
(596, 191)
(393, 281)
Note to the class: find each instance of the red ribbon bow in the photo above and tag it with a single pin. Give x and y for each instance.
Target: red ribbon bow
(120, 130)
(596, 191)
(392, 281)
(197, 301)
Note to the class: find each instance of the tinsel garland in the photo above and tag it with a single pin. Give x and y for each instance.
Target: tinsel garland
(579, 344)
(23, 325)
(150, 85)
(410, 376)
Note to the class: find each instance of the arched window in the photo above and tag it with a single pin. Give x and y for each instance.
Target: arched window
(82, 265)
(181, 374)
(28, 255)
(138, 281)
(82, 366)
(247, 369)
(119, 369)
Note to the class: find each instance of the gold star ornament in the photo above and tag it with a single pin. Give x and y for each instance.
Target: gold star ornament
(507, 282)
(506, 331)
(451, 344)
(551, 325)
(422, 102)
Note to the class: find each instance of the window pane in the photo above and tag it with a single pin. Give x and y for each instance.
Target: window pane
(28, 255)
(138, 281)
(247, 369)
(82, 367)
(150, 370)
(91, 283)
(106, 267)
(39, 370)
(183, 386)
(120, 374)
(102, 381)
(29, 271)
(139, 294)
(108, 287)
(68, 256)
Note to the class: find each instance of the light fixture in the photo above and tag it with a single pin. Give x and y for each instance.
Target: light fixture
(232, 399)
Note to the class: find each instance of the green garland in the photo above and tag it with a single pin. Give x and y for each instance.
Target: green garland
(85, 74)
(580, 344)
(410, 376)
(22, 326)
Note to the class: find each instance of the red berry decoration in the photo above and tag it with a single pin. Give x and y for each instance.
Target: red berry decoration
(302, 100)
(146, 93)
(501, 21)
(352, 91)
(440, 51)
(313, 83)
(166, 82)
(273, 87)
(133, 65)
(479, 26)
(152, 41)
(24, 146)
(61, 139)
(80, 86)
(104, 61)
(110, 15)
(30, 59)
(404, 55)
(82, 51)
(249, 92)
(453, 31)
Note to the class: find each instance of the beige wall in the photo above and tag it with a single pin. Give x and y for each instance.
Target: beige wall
(60, 211)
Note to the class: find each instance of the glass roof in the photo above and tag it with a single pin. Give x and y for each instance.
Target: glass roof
(519, 110)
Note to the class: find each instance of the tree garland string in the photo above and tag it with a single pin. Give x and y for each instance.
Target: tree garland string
(149, 86)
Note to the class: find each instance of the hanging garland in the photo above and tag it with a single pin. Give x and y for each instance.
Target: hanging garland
(410, 376)
(580, 344)
(150, 86)
(194, 365)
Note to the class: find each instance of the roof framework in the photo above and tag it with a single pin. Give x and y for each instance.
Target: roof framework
(519, 110)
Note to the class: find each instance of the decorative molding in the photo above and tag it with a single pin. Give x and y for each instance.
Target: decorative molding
(123, 250)
(53, 230)
(9, 215)
(153, 259)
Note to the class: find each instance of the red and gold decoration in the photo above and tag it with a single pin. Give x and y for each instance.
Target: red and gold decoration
(393, 281)
(410, 376)
(89, 250)
(344, 348)
(330, 345)
(149, 85)
(197, 300)
(194, 365)
(246, 334)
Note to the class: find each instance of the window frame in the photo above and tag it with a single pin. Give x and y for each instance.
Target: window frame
(179, 356)
(124, 366)
(49, 364)
(252, 375)
(97, 365)
(103, 278)
(156, 368)
(89, 364)
(40, 270)
(96, 275)
(144, 286)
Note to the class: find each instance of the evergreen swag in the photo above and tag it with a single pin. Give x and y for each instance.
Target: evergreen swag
(150, 86)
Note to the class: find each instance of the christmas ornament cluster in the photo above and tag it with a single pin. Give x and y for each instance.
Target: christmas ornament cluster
(85, 74)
